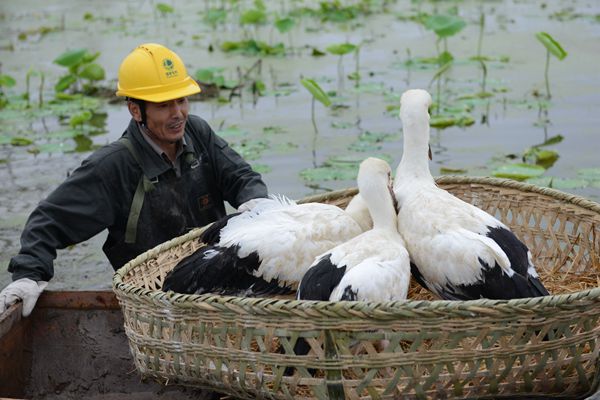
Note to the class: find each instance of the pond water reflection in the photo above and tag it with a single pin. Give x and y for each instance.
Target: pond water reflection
(274, 131)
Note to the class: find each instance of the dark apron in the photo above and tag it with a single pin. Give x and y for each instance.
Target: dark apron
(171, 207)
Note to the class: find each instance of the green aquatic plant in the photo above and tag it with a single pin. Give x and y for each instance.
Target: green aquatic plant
(341, 50)
(81, 66)
(79, 119)
(214, 17)
(480, 36)
(554, 48)
(518, 171)
(319, 95)
(444, 26)
(541, 156)
(446, 170)
(535, 161)
(338, 168)
(6, 81)
(370, 142)
(437, 77)
(336, 11)
(254, 17)
(253, 47)
(30, 73)
(164, 9)
(215, 76)
(285, 25)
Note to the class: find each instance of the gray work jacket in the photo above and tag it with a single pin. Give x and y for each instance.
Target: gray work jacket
(98, 195)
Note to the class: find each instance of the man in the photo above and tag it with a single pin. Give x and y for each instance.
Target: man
(167, 174)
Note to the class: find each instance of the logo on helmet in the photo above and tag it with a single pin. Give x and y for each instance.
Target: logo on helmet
(170, 68)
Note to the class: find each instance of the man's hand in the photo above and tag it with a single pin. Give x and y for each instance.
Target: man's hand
(22, 289)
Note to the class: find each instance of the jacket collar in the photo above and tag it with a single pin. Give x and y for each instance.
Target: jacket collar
(153, 164)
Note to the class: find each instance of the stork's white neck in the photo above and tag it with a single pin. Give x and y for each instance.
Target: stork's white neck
(415, 157)
(381, 205)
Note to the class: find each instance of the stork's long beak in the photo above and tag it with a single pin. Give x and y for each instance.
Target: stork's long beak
(430, 153)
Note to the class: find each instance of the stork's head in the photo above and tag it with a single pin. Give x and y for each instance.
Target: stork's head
(373, 174)
(414, 105)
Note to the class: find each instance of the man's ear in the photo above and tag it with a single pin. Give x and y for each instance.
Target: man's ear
(134, 110)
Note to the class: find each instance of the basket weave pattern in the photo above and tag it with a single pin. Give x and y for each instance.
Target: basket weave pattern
(413, 349)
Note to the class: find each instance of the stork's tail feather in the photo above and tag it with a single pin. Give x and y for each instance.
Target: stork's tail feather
(538, 288)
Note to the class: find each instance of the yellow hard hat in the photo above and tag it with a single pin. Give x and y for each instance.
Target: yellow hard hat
(154, 73)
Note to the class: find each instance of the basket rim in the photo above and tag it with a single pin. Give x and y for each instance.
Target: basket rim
(378, 309)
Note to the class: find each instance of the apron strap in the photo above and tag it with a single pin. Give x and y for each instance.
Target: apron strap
(144, 185)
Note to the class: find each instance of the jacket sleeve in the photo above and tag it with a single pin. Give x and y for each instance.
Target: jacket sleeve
(237, 181)
(75, 211)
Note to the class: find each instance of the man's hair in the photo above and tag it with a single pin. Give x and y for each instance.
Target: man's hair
(142, 105)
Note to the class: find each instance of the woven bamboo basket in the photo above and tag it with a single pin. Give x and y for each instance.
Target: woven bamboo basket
(535, 347)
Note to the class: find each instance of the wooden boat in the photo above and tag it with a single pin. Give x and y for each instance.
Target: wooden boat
(73, 346)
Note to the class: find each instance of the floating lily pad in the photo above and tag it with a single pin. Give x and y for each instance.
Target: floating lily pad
(63, 134)
(376, 137)
(274, 130)
(519, 171)
(253, 47)
(444, 170)
(559, 183)
(20, 141)
(591, 174)
(544, 181)
(342, 124)
(329, 173)
(477, 95)
(262, 168)
(251, 149)
(341, 168)
(445, 121)
(567, 184)
(375, 88)
(364, 147)
(60, 147)
(231, 132)
(284, 148)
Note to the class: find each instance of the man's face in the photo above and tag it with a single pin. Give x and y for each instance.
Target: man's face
(166, 120)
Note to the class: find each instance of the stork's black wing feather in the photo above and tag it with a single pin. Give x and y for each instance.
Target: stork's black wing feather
(212, 234)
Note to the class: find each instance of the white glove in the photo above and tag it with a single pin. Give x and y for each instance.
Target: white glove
(22, 289)
(250, 204)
